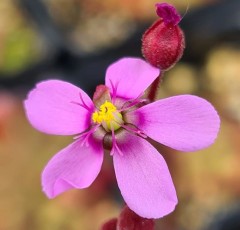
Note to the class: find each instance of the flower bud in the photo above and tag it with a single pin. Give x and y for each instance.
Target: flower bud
(110, 225)
(163, 42)
(130, 220)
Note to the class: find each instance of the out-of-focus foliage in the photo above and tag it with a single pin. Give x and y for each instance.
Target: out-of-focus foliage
(19, 44)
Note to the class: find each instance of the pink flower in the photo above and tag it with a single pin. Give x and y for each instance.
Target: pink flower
(120, 121)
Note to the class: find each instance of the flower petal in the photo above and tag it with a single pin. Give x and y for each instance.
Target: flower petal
(168, 13)
(185, 123)
(52, 108)
(75, 166)
(143, 178)
(129, 77)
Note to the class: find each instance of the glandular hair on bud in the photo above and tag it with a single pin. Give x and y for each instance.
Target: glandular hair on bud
(163, 45)
(163, 42)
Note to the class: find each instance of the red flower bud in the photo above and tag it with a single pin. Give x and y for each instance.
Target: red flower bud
(129, 220)
(163, 43)
(110, 225)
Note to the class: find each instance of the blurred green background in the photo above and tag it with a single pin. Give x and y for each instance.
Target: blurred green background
(207, 182)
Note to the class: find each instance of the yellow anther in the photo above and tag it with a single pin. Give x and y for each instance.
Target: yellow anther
(108, 116)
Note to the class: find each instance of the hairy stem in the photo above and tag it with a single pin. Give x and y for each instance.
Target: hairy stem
(154, 87)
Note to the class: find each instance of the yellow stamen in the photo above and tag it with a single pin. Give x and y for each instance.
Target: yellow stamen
(108, 116)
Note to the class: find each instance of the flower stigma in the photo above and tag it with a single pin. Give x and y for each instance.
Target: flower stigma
(108, 116)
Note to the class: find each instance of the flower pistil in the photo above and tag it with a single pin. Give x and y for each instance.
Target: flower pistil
(108, 116)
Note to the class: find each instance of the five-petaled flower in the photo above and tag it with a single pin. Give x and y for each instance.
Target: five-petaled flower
(120, 120)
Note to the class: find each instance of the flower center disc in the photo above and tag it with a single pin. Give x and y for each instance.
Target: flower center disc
(108, 116)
